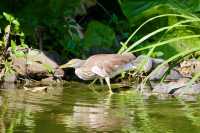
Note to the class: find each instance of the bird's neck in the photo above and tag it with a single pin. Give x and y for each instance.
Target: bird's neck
(80, 64)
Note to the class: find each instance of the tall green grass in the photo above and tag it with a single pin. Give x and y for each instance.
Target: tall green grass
(126, 48)
(184, 21)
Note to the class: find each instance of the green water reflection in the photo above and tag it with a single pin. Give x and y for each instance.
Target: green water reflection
(73, 107)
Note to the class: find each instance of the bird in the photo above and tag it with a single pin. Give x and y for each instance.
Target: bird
(104, 66)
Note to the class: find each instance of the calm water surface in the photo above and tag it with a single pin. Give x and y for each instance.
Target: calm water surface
(74, 108)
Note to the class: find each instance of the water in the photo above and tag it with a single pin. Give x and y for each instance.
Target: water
(74, 108)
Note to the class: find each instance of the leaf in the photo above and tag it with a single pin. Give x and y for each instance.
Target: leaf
(157, 54)
(19, 54)
(16, 23)
(16, 26)
(8, 67)
(134, 8)
(7, 29)
(8, 17)
(98, 36)
(14, 51)
(13, 46)
(49, 68)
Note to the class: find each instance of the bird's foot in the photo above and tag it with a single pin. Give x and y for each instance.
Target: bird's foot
(109, 86)
(110, 92)
(91, 86)
(93, 89)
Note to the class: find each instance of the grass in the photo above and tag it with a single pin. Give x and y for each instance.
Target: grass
(124, 45)
(186, 21)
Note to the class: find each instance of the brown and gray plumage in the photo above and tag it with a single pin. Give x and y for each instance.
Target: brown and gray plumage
(103, 66)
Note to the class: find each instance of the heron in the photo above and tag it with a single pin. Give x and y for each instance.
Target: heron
(104, 66)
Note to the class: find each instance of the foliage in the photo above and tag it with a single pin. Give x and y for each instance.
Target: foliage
(137, 10)
(51, 21)
(15, 31)
(96, 35)
(176, 39)
(57, 27)
(180, 22)
(12, 36)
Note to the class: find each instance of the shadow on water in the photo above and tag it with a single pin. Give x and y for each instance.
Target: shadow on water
(73, 107)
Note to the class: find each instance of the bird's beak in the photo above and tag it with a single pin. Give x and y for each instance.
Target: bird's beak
(67, 65)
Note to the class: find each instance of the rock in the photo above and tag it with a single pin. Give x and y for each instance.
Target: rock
(172, 75)
(35, 64)
(143, 63)
(189, 90)
(157, 75)
(176, 88)
(54, 56)
(156, 62)
(58, 73)
(167, 87)
(188, 68)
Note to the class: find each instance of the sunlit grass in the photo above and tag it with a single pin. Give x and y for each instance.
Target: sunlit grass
(186, 21)
(124, 45)
(166, 42)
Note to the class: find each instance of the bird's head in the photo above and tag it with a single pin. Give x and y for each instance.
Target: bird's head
(73, 63)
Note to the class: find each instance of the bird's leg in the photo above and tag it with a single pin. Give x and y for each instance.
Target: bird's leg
(91, 84)
(93, 89)
(108, 83)
(101, 81)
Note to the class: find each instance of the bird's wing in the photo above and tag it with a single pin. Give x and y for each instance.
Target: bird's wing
(106, 64)
(85, 74)
(99, 71)
(116, 64)
(110, 68)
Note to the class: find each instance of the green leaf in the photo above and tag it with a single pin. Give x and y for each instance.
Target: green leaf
(157, 54)
(134, 8)
(16, 23)
(8, 17)
(22, 34)
(19, 54)
(49, 68)
(16, 26)
(15, 52)
(98, 36)
(8, 67)
(13, 46)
